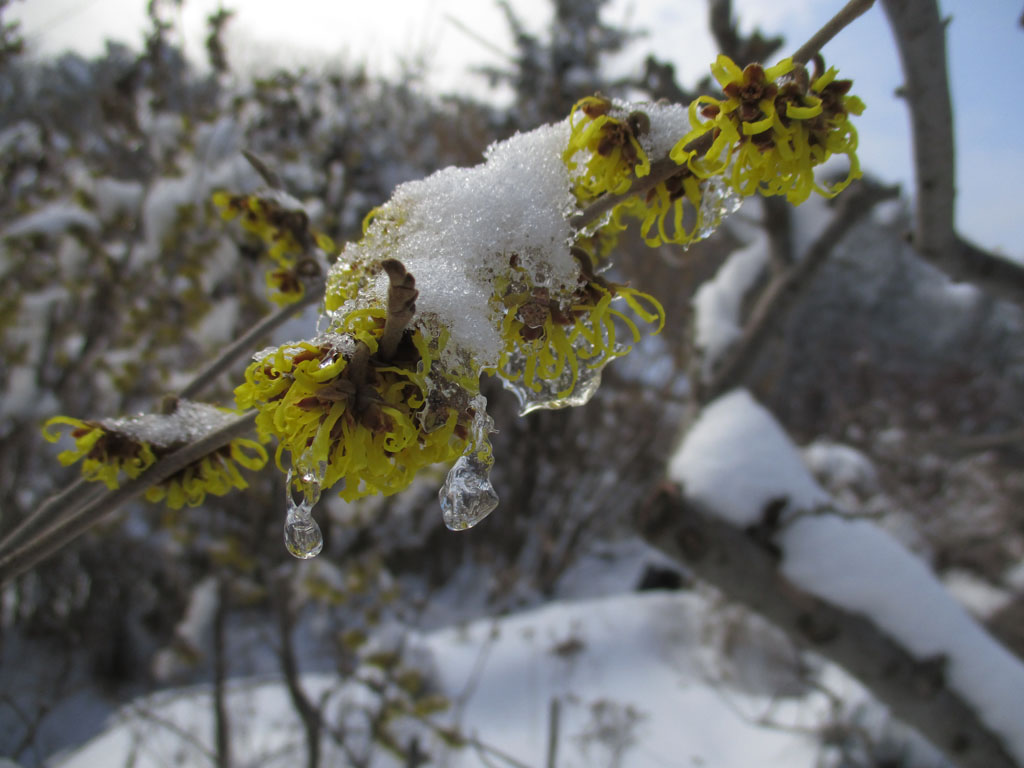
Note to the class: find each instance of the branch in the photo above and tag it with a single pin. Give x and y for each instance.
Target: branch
(781, 295)
(221, 718)
(309, 713)
(921, 39)
(46, 542)
(744, 50)
(245, 343)
(832, 27)
(747, 572)
(61, 504)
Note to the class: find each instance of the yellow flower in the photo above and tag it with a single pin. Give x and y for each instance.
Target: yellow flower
(606, 146)
(284, 228)
(105, 454)
(216, 474)
(772, 129)
(116, 448)
(343, 415)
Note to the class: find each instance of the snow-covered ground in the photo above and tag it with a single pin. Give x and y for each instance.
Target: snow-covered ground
(633, 683)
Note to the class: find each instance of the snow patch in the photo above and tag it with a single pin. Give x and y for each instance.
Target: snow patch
(53, 219)
(719, 301)
(736, 459)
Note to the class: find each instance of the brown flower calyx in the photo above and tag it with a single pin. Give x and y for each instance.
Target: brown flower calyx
(402, 295)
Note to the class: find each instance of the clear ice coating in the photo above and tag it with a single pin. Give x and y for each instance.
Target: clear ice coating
(718, 200)
(467, 496)
(570, 389)
(551, 394)
(302, 534)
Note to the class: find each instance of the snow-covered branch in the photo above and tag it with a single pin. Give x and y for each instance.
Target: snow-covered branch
(843, 587)
(50, 540)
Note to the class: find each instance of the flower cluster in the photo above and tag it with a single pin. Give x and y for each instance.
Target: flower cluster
(766, 136)
(609, 152)
(283, 226)
(113, 449)
(772, 129)
(612, 155)
(343, 414)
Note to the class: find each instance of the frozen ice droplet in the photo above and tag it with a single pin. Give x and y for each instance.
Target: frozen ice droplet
(302, 535)
(718, 200)
(467, 496)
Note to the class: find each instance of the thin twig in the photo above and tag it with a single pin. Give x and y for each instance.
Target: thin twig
(660, 170)
(832, 27)
(75, 496)
(244, 344)
(45, 543)
(271, 179)
(553, 727)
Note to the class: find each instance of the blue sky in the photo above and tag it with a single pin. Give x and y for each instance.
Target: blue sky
(986, 46)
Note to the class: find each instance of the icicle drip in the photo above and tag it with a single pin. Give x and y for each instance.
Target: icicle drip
(467, 496)
(302, 534)
(717, 201)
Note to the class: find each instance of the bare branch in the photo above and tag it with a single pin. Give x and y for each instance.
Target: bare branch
(271, 179)
(221, 718)
(747, 572)
(741, 50)
(832, 27)
(60, 505)
(310, 714)
(244, 344)
(920, 34)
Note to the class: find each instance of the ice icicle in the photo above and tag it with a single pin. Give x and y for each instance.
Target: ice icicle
(467, 496)
(717, 201)
(302, 534)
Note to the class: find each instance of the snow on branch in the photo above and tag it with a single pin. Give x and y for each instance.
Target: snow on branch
(752, 521)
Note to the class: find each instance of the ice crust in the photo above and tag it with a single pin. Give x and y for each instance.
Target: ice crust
(190, 421)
